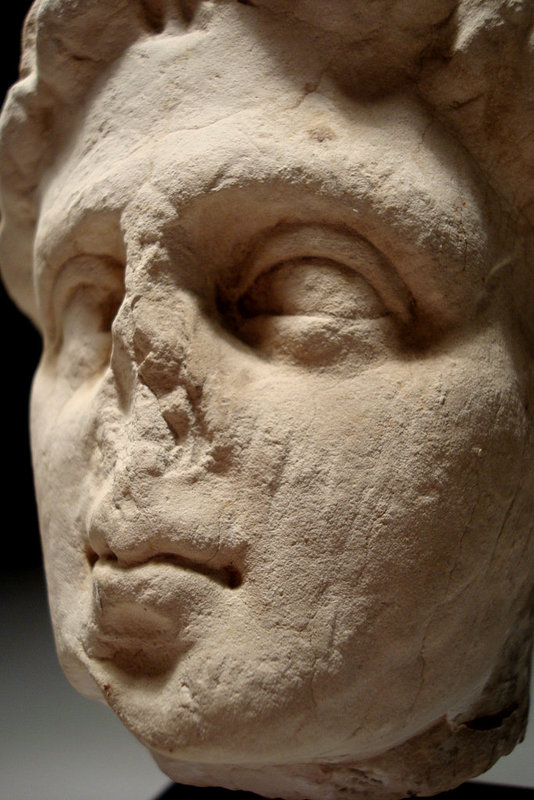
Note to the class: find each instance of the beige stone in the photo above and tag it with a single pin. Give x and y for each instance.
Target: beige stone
(280, 252)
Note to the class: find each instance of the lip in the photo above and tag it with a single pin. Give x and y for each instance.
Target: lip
(157, 598)
(227, 576)
(144, 614)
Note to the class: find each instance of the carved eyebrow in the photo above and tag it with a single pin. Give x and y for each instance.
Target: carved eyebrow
(336, 244)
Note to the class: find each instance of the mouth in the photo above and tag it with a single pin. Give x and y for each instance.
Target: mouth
(145, 613)
(227, 576)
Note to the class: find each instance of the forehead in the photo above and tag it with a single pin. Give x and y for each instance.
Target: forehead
(241, 47)
(198, 112)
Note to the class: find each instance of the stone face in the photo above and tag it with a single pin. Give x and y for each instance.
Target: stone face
(282, 427)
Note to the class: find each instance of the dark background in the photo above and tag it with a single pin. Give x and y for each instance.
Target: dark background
(21, 349)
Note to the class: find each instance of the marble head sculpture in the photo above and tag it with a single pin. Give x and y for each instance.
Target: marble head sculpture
(280, 255)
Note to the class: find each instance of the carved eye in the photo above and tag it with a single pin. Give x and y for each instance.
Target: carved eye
(332, 299)
(87, 297)
(312, 287)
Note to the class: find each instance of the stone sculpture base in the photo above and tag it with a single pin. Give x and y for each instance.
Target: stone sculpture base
(468, 791)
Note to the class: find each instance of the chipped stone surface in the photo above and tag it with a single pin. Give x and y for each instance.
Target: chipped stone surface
(280, 255)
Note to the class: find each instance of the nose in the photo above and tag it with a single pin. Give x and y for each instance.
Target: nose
(163, 413)
(121, 529)
(159, 370)
(182, 528)
(154, 346)
(150, 502)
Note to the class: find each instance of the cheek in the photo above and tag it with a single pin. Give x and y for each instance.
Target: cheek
(60, 428)
(60, 436)
(386, 496)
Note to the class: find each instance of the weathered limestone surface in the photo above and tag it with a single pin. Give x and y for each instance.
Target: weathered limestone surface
(280, 253)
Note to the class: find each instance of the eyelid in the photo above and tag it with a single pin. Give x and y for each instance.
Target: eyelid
(335, 245)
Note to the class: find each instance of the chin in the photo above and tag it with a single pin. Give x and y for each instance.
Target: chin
(464, 742)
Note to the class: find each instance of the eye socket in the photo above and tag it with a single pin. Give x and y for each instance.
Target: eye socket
(86, 298)
(318, 297)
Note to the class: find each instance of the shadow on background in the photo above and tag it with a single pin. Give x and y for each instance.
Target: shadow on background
(469, 791)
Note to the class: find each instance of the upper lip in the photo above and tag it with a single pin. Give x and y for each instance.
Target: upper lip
(116, 539)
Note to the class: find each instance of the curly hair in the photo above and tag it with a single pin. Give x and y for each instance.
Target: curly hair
(470, 61)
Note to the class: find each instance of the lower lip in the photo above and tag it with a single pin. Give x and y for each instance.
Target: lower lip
(157, 586)
(144, 617)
